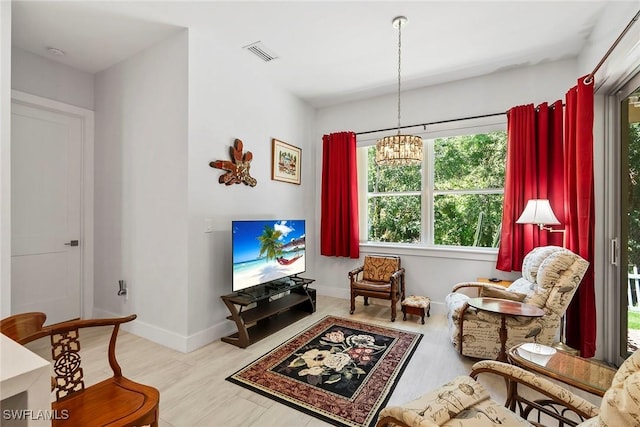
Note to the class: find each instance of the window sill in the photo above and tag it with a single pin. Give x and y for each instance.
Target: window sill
(451, 252)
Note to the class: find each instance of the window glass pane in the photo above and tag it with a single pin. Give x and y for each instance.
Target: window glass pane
(470, 161)
(467, 219)
(384, 179)
(394, 219)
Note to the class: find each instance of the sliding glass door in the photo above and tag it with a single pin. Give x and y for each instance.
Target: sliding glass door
(629, 296)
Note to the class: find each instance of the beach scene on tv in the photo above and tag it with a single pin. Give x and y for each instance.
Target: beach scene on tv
(264, 251)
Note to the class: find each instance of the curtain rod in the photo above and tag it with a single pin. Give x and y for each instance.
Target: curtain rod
(615, 44)
(424, 125)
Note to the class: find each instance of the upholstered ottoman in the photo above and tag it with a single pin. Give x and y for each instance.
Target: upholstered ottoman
(415, 304)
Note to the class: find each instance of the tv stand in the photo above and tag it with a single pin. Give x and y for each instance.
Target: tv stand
(276, 306)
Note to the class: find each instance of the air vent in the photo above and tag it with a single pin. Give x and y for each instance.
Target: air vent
(261, 51)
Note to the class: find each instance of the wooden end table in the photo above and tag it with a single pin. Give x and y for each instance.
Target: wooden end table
(583, 374)
(504, 308)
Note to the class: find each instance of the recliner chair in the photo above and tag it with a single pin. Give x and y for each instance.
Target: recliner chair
(550, 278)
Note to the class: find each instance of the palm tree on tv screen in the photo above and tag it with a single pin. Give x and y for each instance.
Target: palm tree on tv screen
(270, 242)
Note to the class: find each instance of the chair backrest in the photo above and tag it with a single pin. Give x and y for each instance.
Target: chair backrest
(24, 327)
(550, 277)
(65, 345)
(379, 268)
(620, 405)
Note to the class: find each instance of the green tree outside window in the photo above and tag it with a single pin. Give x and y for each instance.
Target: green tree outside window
(466, 196)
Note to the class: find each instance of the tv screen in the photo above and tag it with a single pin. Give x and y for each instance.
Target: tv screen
(266, 250)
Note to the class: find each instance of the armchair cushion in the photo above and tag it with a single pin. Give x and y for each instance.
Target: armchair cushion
(462, 401)
(379, 269)
(621, 403)
(502, 294)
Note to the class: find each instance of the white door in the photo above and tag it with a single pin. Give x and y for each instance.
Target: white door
(46, 163)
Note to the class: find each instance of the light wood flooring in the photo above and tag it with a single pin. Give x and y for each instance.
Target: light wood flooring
(193, 390)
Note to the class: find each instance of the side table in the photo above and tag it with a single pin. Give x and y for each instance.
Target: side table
(503, 283)
(504, 308)
(583, 374)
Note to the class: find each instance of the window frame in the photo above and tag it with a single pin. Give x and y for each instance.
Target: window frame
(427, 193)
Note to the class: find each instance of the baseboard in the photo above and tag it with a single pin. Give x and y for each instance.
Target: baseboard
(184, 344)
(209, 335)
(333, 291)
(187, 344)
(152, 333)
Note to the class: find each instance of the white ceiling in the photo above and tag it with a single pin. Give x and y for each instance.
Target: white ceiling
(329, 51)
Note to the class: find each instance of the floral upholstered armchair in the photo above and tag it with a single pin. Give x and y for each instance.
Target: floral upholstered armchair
(550, 277)
(465, 402)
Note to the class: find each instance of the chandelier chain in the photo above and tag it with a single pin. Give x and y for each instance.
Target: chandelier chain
(399, 68)
(399, 150)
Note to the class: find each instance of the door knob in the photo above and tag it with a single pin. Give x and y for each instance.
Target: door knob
(72, 243)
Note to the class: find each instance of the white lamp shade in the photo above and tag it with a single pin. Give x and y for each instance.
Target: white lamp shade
(538, 211)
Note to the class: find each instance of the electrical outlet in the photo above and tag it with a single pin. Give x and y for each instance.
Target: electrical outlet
(208, 225)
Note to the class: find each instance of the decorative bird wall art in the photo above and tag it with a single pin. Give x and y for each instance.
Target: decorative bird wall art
(238, 168)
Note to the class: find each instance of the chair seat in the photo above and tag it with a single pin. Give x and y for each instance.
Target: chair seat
(96, 405)
(368, 285)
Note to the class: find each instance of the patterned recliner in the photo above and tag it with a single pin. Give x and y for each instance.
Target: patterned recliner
(550, 277)
(464, 401)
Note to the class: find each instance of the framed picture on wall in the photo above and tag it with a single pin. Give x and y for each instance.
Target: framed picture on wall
(285, 162)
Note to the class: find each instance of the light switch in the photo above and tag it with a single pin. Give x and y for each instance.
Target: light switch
(208, 225)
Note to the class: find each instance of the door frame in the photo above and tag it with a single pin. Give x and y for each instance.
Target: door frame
(86, 188)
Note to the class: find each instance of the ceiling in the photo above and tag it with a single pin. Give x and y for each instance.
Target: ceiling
(328, 51)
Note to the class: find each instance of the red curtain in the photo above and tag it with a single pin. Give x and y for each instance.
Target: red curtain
(580, 212)
(534, 171)
(339, 227)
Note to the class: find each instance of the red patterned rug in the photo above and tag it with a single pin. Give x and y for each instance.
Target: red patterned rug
(339, 370)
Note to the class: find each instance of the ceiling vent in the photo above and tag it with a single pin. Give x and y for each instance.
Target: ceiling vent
(261, 51)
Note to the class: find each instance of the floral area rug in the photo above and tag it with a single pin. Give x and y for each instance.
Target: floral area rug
(338, 370)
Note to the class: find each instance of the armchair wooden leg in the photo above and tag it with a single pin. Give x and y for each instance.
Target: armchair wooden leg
(353, 303)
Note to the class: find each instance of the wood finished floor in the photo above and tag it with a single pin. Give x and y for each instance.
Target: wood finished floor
(193, 390)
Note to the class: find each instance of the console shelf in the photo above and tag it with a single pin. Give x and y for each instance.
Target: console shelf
(275, 308)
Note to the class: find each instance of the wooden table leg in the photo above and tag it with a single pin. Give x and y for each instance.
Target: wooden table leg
(502, 356)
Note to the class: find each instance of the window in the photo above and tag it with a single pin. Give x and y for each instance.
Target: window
(455, 200)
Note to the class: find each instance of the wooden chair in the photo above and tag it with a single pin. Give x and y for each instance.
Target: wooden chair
(116, 401)
(382, 277)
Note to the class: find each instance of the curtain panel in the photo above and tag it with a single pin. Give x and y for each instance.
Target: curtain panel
(339, 222)
(580, 212)
(534, 171)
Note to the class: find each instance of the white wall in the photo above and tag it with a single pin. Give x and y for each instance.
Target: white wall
(5, 159)
(228, 101)
(141, 189)
(44, 77)
(432, 272)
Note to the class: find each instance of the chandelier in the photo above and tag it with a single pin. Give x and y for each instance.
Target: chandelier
(399, 150)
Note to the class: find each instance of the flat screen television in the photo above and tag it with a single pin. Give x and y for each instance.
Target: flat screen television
(266, 251)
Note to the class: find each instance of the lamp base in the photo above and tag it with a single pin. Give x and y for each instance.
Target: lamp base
(560, 346)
